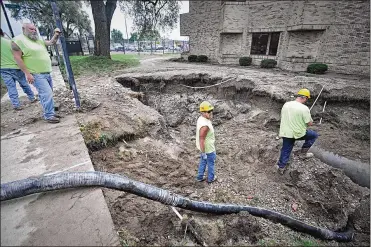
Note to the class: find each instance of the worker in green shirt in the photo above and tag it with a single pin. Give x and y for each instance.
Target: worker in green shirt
(205, 142)
(33, 59)
(11, 73)
(295, 118)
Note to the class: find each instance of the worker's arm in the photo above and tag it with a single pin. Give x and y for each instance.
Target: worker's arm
(17, 54)
(203, 134)
(54, 38)
(307, 118)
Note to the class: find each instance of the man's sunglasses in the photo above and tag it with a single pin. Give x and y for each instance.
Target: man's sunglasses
(210, 111)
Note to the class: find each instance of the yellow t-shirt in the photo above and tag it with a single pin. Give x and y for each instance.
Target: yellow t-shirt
(294, 119)
(7, 59)
(210, 137)
(35, 55)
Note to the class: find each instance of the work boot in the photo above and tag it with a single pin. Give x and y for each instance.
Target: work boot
(34, 100)
(280, 170)
(19, 108)
(52, 120)
(209, 182)
(304, 153)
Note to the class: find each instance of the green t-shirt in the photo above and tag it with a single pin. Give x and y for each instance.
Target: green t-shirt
(294, 119)
(210, 137)
(7, 59)
(35, 56)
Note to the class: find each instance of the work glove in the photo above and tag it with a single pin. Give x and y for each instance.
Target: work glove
(204, 156)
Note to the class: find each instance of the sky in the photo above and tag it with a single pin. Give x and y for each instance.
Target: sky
(118, 22)
(16, 25)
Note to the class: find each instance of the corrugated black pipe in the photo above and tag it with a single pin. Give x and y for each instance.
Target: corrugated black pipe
(66, 180)
(357, 171)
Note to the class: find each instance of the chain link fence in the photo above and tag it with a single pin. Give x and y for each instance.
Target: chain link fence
(152, 47)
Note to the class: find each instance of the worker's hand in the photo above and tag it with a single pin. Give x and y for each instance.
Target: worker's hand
(57, 31)
(29, 78)
(204, 156)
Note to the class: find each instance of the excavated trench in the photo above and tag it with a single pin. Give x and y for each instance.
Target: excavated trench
(246, 123)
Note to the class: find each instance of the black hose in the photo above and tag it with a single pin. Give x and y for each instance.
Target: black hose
(66, 180)
(357, 171)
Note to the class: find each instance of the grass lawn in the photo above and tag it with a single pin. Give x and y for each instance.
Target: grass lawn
(82, 65)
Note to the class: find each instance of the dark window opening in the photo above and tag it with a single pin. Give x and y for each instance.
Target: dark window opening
(259, 43)
(264, 43)
(273, 45)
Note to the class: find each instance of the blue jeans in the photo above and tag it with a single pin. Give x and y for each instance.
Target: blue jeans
(288, 144)
(10, 76)
(44, 86)
(210, 161)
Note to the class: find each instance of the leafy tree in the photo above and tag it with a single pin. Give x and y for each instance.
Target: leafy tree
(149, 16)
(102, 15)
(134, 37)
(150, 35)
(116, 36)
(74, 18)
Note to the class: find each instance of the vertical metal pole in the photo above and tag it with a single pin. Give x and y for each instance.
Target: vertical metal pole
(173, 46)
(7, 19)
(65, 54)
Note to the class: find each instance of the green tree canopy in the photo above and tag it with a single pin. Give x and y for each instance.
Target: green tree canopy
(133, 37)
(73, 17)
(149, 16)
(116, 36)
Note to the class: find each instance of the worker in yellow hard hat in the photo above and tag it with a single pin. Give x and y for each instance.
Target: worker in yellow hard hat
(205, 142)
(295, 118)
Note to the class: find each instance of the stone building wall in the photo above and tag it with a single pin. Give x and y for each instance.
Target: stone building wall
(202, 25)
(310, 31)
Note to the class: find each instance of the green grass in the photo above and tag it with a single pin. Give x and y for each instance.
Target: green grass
(82, 65)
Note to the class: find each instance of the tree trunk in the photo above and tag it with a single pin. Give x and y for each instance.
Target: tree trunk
(110, 9)
(102, 30)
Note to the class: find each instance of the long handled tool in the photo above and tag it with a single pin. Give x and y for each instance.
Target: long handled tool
(316, 98)
(323, 110)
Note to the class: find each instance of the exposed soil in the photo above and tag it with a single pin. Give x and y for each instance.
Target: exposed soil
(145, 128)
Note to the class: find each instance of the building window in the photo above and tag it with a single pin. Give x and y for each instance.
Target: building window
(264, 43)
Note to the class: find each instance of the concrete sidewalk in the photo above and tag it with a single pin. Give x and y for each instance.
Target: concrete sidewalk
(68, 217)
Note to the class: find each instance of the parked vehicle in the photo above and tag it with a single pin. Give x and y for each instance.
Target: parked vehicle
(119, 48)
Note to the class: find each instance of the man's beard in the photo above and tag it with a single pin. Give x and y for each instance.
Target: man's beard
(32, 36)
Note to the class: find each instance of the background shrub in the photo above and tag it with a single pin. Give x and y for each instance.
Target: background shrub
(245, 61)
(192, 58)
(202, 58)
(268, 63)
(317, 68)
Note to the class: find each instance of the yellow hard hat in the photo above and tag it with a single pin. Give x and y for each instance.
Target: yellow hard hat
(304, 92)
(206, 106)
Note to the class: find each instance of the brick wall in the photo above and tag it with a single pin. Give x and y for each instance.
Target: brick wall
(203, 28)
(337, 33)
(303, 44)
(231, 43)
